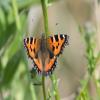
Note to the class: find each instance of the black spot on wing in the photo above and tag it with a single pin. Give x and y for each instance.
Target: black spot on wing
(51, 39)
(25, 43)
(27, 40)
(56, 47)
(56, 37)
(53, 48)
(61, 36)
(30, 48)
(51, 55)
(36, 56)
(31, 40)
(34, 40)
(34, 50)
(67, 39)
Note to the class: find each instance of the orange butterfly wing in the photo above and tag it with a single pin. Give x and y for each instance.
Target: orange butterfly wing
(56, 43)
(33, 45)
(50, 66)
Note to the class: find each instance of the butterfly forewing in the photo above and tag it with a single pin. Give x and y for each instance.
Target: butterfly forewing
(57, 42)
(32, 46)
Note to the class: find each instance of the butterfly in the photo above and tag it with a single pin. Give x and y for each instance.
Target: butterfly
(44, 51)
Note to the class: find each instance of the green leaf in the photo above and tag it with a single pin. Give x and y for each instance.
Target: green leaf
(1, 70)
(4, 36)
(5, 4)
(11, 68)
(0, 66)
(2, 19)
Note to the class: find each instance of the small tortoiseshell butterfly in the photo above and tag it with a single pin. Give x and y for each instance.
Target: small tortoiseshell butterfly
(44, 51)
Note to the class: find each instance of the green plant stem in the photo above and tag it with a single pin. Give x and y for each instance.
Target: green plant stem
(45, 16)
(44, 8)
(81, 94)
(43, 86)
(97, 88)
(16, 15)
(55, 86)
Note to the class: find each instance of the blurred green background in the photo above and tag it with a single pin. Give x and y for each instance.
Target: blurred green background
(14, 78)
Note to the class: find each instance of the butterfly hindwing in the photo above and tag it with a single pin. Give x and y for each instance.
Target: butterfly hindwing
(50, 66)
(57, 42)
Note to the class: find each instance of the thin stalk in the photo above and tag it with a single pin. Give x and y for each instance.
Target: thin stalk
(55, 86)
(81, 94)
(43, 86)
(45, 15)
(97, 88)
(53, 79)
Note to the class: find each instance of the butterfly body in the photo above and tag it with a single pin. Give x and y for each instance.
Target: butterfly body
(44, 51)
(43, 54)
